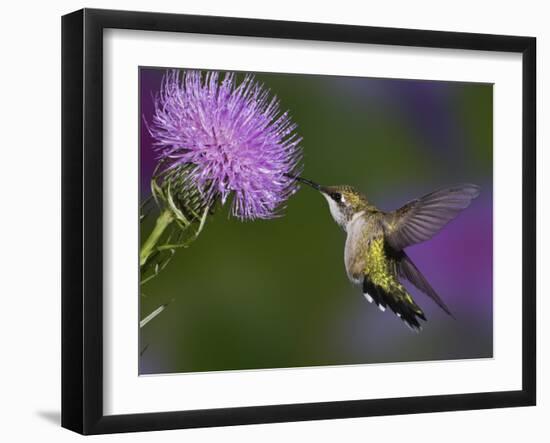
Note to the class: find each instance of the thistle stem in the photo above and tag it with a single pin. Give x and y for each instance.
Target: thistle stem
(153, 314)
(163, 221)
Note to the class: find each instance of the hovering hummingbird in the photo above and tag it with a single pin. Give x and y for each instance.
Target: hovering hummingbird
(375, 254)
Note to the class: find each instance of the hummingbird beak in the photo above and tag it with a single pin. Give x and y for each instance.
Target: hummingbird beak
(305, 181)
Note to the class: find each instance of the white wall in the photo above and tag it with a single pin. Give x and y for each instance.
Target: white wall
(30, 251)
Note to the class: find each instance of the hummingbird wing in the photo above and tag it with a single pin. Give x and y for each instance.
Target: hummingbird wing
(407, 269)
(420, 219)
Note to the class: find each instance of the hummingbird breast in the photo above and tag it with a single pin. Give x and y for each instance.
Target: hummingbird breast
(361, 230)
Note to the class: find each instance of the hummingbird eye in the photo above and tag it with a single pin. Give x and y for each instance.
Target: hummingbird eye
(336, 196)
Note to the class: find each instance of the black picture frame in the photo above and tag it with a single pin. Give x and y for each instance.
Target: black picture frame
(82, 218)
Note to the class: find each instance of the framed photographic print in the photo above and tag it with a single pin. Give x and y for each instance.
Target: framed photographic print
(271, 221)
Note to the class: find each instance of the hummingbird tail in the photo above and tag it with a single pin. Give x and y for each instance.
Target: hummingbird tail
(398, 300)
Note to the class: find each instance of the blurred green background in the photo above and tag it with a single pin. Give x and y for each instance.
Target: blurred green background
(272, 294)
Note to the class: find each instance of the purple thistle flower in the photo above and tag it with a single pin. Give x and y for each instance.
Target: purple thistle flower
(233, 135)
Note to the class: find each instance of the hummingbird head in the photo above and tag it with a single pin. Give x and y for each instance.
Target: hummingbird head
(343, 201)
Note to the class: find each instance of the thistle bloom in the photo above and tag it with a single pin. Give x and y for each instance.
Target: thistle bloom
(234, 137)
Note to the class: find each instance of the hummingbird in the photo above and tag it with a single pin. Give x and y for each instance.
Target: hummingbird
(374, 252)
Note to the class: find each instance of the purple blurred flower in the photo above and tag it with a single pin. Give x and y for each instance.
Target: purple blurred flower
(233, 135)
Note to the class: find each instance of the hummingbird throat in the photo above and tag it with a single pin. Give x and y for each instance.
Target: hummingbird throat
(338, 213)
